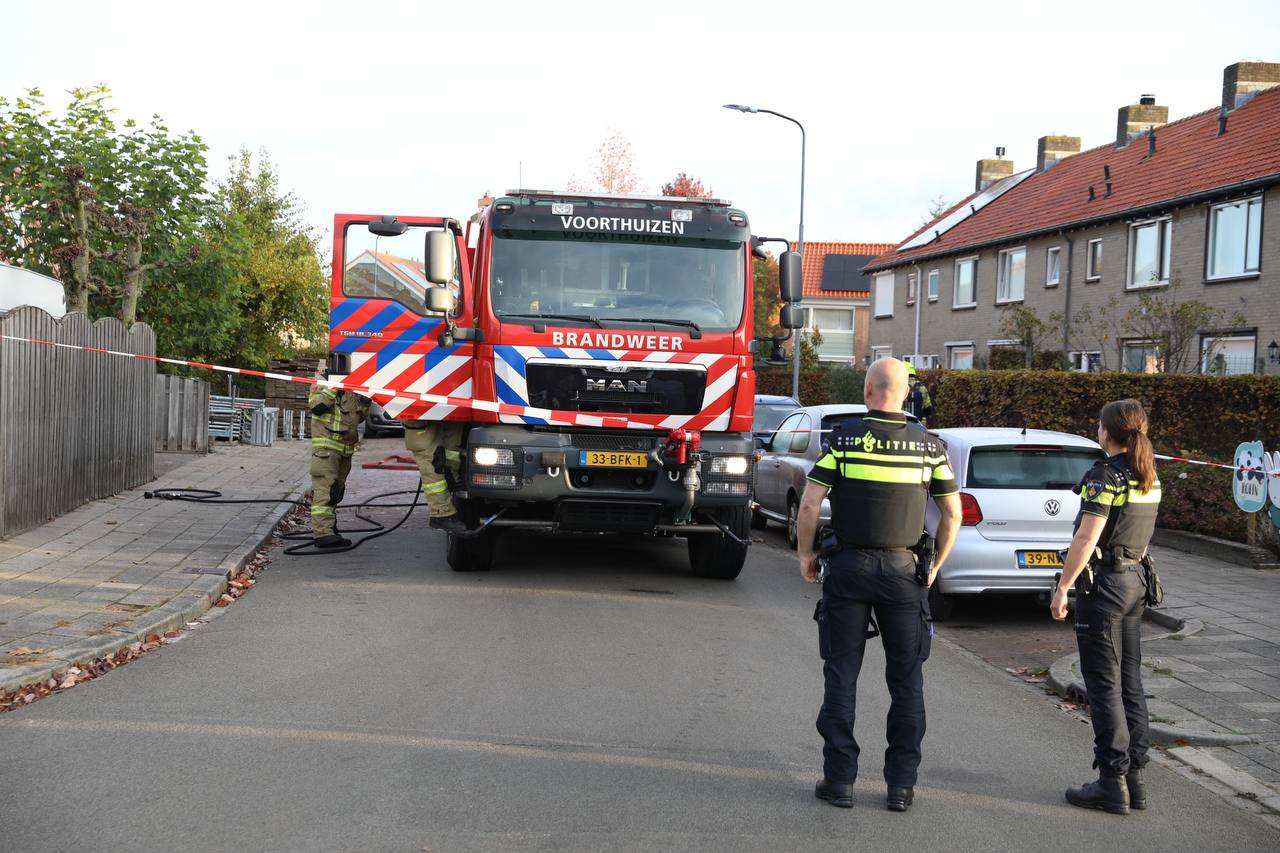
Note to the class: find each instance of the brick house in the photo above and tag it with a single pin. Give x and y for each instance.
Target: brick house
(837, 297)
(1165, 208)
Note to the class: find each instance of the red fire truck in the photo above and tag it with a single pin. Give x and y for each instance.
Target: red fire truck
(599, 349)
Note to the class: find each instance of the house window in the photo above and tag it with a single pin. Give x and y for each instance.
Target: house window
(1012, 279)
(964, 295)
(884, 294)
(878, 353)
(934, 278)
(912, 283)
(1053, 267)
(1228, 356)
(1235, 238)
(1141, 357)
(1085, 361)
(1149, 246)
(1093, 261)
(960, 356)
(836, 325)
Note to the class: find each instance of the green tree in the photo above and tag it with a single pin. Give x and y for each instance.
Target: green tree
(765, 298)
(810, 343)
(95, 205)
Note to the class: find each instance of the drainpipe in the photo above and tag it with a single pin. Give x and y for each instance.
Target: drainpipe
(1066, 310)
(915, 351)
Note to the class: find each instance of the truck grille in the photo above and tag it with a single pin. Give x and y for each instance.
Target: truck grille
(638, 390)
(606, 441)
(631, 516)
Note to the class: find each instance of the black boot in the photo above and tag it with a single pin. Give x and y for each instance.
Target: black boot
(1137, 790)
(899, 799)
(1108, 793)
(449, 524)
(840, 796)
(333, 540)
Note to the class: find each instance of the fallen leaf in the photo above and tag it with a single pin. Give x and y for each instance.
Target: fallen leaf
(27, 650)
(69, 681)
(171, 633)
(153, 638)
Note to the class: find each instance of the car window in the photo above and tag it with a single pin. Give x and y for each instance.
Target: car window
(800, 438)
(769, 415)
(781, 440)
(1028, 467)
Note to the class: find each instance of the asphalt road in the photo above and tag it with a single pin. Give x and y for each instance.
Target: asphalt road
(588, 694)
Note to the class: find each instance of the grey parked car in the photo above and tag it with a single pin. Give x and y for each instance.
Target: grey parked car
(785, 461)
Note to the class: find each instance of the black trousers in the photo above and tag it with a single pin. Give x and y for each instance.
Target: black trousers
(1108, 626)
(859, 583)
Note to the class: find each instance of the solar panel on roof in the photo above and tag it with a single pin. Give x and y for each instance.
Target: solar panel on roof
(843, 273)
(960, 214)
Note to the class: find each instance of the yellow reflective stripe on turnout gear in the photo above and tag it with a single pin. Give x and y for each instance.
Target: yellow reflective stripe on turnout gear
(322, 509)
(329, 443)
(454, 455)
(434, 488)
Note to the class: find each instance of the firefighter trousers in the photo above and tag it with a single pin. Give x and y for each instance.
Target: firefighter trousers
(329, 470)
(435, 445)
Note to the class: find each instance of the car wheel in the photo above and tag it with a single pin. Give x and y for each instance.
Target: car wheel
(941, 605)
(758, 520)
(793, 521)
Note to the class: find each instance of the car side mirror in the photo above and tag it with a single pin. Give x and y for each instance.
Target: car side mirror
(439, 249)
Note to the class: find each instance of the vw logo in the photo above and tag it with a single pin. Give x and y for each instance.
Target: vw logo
(1052, 507)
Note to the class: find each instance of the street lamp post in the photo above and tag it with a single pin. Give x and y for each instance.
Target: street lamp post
(795, 348)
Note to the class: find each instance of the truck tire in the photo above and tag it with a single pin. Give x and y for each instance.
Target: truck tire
(714, 555)
(470, 554)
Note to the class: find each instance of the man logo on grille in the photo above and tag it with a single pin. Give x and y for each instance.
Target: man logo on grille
(1052, 507)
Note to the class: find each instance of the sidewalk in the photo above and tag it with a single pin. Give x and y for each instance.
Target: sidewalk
(118, 569)
(1214, 682)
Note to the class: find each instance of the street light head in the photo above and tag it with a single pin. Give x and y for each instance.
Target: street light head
(740, 108)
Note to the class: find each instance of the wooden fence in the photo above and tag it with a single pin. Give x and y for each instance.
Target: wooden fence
(182, 414)
(74, 426)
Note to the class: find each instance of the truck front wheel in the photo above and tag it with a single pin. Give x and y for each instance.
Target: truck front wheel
(470, 554)
(714, 555)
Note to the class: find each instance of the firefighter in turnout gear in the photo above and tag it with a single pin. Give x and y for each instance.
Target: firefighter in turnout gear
(335, 419)
(880, 470)
(437, 448)
(918, 400)
(1107, 564)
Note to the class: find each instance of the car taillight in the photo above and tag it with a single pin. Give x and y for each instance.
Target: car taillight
(970, 512)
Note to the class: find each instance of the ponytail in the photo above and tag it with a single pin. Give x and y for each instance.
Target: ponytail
(1126, 422)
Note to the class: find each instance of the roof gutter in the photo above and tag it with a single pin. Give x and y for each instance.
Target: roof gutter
(1176, 201)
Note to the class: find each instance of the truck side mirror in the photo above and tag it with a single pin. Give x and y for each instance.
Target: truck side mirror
(439, 264)
(757, 249)
(790, 278)
(440, 300)
(791, 316)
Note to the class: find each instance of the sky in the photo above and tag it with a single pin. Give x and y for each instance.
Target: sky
(421, 108)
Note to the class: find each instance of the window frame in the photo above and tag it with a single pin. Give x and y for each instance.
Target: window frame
(1164, 251)
(1091, 268)
(1206, 339)
(877, 349)
(1074, 355)
(1210, 233)
(875, 293)
(1049, 254)
(1131, 343)
(934, 286)
(794, 416)
(1002, 273)
(951, 346)
(913, 288)
(973, 283)
(804, 428)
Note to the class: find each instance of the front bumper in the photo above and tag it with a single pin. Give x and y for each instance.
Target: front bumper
(978, 565)
(590, 498)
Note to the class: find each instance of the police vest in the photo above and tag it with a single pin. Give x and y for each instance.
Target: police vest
(1110, 490)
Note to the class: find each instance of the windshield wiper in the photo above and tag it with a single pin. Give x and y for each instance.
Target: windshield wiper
(581, 318)
(689, 324)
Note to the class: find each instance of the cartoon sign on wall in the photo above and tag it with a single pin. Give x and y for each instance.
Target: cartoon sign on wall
(1249, 485)
(1271, 467)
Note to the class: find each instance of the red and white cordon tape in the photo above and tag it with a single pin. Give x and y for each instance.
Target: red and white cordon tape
(459, 402)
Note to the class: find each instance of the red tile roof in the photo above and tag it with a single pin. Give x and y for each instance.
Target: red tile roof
(1190, 160)
(815, 256)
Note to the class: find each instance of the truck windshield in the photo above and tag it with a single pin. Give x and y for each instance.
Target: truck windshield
(699, 281)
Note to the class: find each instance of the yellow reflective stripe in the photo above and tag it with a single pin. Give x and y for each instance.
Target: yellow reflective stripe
(1094, 512)
(946, 494)
(453, 454)
(826, 461)
(434, 488)
(883, 473)
(884, 420)
(943, 472)
(1107, 499)
(936, 460)
(1151, 497)
(328, 443)
(874, 457)
(322, 509)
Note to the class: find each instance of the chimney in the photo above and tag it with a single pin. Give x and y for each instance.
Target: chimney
(1052, 149)
(1134, 120)
(1243, 80)
(990, 171)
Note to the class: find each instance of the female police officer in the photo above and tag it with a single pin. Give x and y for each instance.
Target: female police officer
(1119, 497)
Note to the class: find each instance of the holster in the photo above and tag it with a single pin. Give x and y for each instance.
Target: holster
(924, 551)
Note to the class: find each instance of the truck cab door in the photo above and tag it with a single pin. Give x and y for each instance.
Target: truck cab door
(382, 331)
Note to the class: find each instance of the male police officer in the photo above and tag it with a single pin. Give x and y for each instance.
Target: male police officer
(918, 402)
(879, 469)
(436, 447)
(335, 419)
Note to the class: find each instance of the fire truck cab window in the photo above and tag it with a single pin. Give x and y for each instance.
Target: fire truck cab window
(698, 280)
(376, 267)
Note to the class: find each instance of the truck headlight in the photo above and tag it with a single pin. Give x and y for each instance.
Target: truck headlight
(489, 456)
(732, 465)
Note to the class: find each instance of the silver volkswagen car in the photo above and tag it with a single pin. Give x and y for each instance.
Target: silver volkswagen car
(1018, 509)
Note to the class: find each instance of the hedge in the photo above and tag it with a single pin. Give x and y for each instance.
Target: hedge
(817, 387)
(1194, 416)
